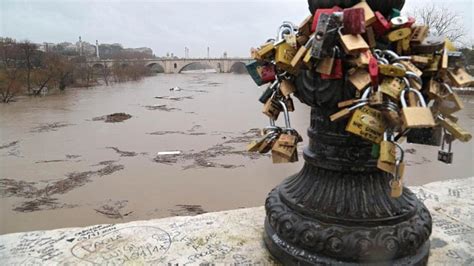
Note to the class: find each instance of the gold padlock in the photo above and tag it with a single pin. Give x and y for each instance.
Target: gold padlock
(399, 34)
(419, 34)
(326, 65)
(284, 53)
(455, 130)
(392, 87)
(360, 79)
(416, 116)
(353, 44)
(285, 145)
(272, 108)
(368, 13)
(387, 149)
(391, 71)
(287, 87)
(460, 77)
(266, 50)
(307, 59)
(450, 102)
(367, 123)
(421, 60)
(411, 67)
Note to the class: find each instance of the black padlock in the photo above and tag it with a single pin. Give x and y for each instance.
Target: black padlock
(267, 94)
(446, 156)
(426, 136)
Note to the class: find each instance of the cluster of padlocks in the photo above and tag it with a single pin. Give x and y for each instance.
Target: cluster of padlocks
(402, 76)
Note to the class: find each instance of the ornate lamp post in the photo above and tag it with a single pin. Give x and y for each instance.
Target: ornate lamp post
(338, 209)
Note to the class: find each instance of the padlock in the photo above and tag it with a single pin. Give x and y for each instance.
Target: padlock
(411, 67)
(291, 40)
(392, 71)
(416, 116)
(286, 144)
(369, 37)
(376, 99)
(426, 136)
(307, 59)
(368, 12)
(460, 77)
(374, 71)
(454, 129)
(433, 66)
(287, 87)
(404, 46)
(304, 29)
(266, 50)
(444, 60)
(360, 79)
(272, 108)
(367, 123)
(269, 91)
(268, 142)
(261, 73)
(398, 22)
(392, 87)
(337, 69)
(354, 20)
(449, 103)
(344, 113)
(434, 89)
(326, 65)
(412, 80)
(284, 52)
(353, 44)
(391, 113)
(430, 45)
(421, 60)
(398, 35)
(381, 25)
(419, 34)
(300, 54)
(446, 156)
(289, 104)
(325, 36)
(388, 149)
(322, 11)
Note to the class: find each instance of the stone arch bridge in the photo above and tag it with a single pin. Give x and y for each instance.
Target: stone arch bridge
(175, 65)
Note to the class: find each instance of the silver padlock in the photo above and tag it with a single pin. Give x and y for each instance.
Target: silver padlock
(446, 156)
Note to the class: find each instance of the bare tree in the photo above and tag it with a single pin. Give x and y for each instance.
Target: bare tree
(442, 21)
(28, 50)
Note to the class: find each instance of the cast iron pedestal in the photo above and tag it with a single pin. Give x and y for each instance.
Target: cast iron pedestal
(338, 209)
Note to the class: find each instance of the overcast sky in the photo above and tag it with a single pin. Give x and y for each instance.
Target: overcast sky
(168, 26)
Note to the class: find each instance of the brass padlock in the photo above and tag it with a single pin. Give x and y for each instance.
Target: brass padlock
(399, 34)
(434, 89)
(392, 87)
(368, 13)
(388, 149)
(392, 71)
(454, 129)
(376, 98)
(265, 51)
(326, 65)
(449, 103)
(460, 77)
(298, 59)
(287, 87)
(421, 60)
(411, 67)
(360, 79)
(419, 34)
(367, 123)
(284, 53)
(272, 108)
(416, 116)
(353, 44)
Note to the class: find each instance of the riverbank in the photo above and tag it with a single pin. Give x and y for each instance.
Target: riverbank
(67, 156)
(230, 237)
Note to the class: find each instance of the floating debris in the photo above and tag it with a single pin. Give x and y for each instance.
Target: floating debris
(113, 118)
(48, 127)
(123, 153)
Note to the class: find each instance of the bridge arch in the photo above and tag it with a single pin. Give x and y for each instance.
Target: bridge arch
(98, 66)
(238, 67)
(206, 64)
(156, 67)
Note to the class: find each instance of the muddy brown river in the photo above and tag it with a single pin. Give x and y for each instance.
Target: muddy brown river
(62, 164)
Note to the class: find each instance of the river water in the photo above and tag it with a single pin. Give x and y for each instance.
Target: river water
(62, 166)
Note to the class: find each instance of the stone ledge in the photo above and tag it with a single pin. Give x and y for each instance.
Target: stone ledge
(229, 237)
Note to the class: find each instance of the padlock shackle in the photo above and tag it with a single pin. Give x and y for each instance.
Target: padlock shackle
(420, 97)
(412, 75)
(286, 114)
(447, 87)
(402, 153)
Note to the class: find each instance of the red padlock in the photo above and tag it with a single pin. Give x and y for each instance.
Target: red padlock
(381, 24)
(411, 21)
(268, 73)
(374, 71)
(323, 11)
(354, 21)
